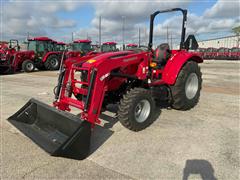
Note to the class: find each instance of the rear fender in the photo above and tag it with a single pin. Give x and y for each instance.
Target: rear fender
(176, 62)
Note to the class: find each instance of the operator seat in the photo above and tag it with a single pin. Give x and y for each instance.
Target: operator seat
(161, 54)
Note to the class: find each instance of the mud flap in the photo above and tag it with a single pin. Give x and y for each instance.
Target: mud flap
(57, 132)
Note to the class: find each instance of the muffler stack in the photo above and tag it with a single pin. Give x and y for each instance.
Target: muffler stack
(57, 132)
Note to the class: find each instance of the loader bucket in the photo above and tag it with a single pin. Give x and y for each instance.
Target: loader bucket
(57, 132)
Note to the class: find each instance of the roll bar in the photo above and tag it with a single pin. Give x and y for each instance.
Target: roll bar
(152, 17)
(12, 41)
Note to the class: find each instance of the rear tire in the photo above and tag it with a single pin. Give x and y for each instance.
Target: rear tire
(186, 90)
(52, 63)
(136, 109)
(28, 66)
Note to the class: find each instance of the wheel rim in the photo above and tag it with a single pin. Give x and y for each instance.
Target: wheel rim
(29, 66)
(191, 86)
(142, 111)
(54, 62)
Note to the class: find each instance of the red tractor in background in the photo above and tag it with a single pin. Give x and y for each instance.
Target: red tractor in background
(79, 48)
(109, 47)
(210, 53)
(201, 52)
(135, 80)
(130, 46)
(234, 53)
(95, 47)
(60, 46)
(83, 47)
(46, 56)
(3, 44)
(12, 59)
(222, 53)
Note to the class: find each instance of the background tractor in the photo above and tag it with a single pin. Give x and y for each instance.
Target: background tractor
(210, 53)
(222, 53)
(109, 47)
(201, 52)
(12, 59)
(60, 46)
(47, 56)
(79, 48)
(130, 46)
(134, 80)
(234, 53)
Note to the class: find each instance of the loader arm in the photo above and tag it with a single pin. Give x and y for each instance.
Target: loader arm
(99, 72)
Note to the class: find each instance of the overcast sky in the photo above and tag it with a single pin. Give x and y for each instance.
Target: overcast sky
(58, 19)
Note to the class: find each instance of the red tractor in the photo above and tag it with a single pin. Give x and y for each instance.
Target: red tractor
(210, 53)
(130, 46)
(234, 53)
(201, 52)
(95, 47)
(12, 59)
(3, 44)
(222, 53)
(109, 47)
(46, 55)
(135, 80)
(79, 48)
(60, 46)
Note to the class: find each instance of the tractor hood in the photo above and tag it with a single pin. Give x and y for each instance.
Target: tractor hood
(95, 60)
(92, 59)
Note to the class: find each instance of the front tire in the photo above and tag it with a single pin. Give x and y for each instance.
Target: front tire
(28, 66)
(186, 90)
(136, 109)
(52, 63)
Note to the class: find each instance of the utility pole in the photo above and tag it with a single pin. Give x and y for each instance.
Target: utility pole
(145, 36)
(100, 30)
(171, 42)
(72, 37)
(123, 29)
(139, 37)
(28, 35)
(167, 34)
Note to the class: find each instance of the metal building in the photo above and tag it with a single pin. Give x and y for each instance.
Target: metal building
(228, 42)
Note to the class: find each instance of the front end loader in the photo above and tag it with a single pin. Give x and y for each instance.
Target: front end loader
(135, 80)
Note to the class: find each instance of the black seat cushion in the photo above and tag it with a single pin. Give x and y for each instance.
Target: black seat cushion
(162, 53)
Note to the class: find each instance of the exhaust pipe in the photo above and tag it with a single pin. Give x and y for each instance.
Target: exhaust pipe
(57, 132)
